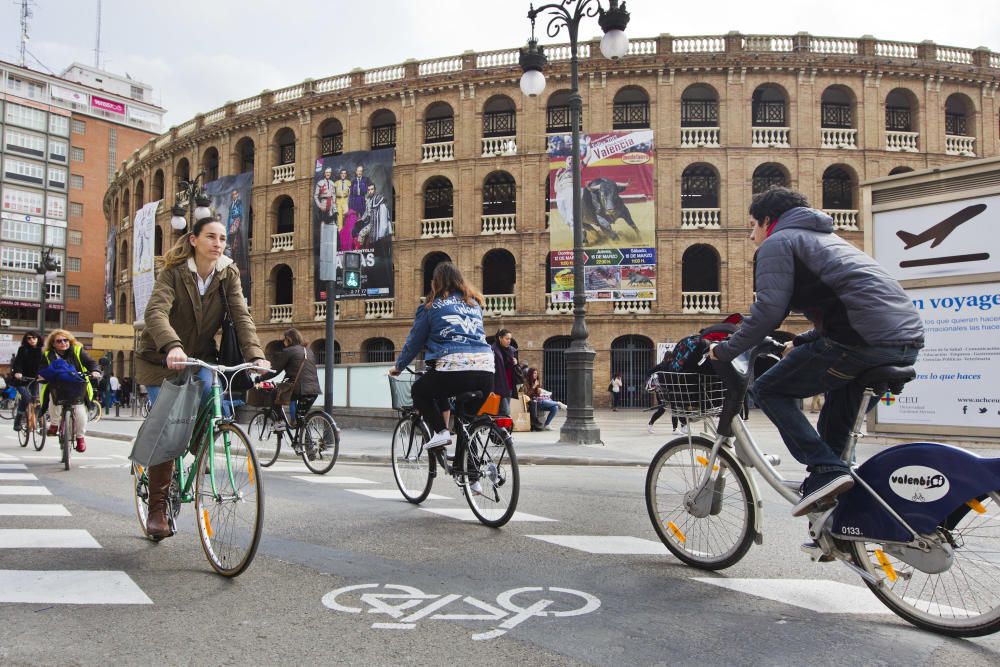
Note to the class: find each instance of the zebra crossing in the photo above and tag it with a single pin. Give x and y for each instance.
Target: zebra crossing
(50, 586)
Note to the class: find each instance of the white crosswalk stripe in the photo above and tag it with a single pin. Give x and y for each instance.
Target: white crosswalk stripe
(44, 538)
(13, 466)
(605, 544)
(819, 595)
(316, 479)
(392, 494)
(17, 477)
(21, 509)
(17, 490)
(70, 587)
(467, 515)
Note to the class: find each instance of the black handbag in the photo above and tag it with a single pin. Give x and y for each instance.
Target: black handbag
(230, 352)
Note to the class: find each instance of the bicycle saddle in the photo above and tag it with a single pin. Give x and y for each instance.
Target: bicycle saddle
(893, 377)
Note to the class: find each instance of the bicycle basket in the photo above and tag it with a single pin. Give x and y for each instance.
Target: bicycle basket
(691, 395)
(260, 398)
(399, 389)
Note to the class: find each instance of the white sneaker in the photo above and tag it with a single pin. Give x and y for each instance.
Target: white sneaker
(649, 429)
(685, 430)
(476, 488)
(439, 439)
(562, 405)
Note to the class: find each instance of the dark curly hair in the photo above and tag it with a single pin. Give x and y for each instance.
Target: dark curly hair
(773, 202)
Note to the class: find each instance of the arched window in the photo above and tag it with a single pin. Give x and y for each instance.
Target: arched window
(438, 198)
(499, 194)
(430, 263)
(243, 155)
(700, 187)
(837, 108)
(900, 111)
(282, 285)
(383, 129)
(499, 117)
(557, 119)
(210, 164)
(900, 170)
(123, 258)
(633, 356)
(183, 171)
(156, 192)
(768, 175)
(127, 204)
(700, 269)
(957, 112)
(769, 107)
(838, 188)
(499, 272)
(157, 240)
(331, 137)
(699, 106)
(378, 351)
(140, 194)
(284, 220)
(119, 365)
(631, 109)
(284, 142)
(554, 366)
(439, 123)
(318, 348)
(122, 308)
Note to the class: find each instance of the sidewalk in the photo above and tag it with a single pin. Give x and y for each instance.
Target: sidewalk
(626, 442)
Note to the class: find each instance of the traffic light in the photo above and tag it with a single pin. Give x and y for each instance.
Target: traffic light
(352, 270)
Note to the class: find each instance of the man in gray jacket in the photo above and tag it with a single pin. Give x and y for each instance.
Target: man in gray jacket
(861, 316)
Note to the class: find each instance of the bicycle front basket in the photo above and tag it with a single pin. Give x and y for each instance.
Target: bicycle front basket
(691, 395)
(260, 398)
(399, 389)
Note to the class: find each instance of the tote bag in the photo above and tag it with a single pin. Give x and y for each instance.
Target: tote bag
(167, 430)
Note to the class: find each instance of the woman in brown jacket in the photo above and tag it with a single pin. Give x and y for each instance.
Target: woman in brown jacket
(182, 318)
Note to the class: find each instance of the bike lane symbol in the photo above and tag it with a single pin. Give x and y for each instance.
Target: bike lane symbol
(402, 599)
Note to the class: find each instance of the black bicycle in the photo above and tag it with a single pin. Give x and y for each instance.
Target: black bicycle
(484, 466)
(313, 435)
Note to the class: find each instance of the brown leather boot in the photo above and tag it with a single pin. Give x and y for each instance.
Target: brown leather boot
(157, 524)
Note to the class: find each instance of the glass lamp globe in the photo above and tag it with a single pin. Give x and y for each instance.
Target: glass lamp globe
(178, 222)
(532, 83)
(202, 212)
(614, 44)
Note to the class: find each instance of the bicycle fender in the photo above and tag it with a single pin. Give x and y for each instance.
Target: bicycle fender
(923, 482)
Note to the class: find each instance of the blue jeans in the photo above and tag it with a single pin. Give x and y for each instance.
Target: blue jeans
(205, 376)
(821, 367)
(550, 405)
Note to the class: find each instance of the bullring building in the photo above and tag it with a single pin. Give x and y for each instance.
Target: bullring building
(730, 116)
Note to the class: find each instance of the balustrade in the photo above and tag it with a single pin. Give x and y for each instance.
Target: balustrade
(835, 45)
(288, 94)
(384, 74)
(124, 275)
(497, 146)
(319, 311)
(901, 141)
(701, 302)
(444, 150)
(633, 306)
(699, 137)
(950, 54)
(843, 219)
(831, 137)
(896, 49)
(497, 59)
(251, 104)
(699, 44)
(499, 224)
(332, 83)
(376, 309)
(280, 313)
(700, 218)
(283, 241)
(770, 137)
(557, 307)
(960, 145)
(642, 47)
(437, 227)
(500, 305)
(282, 173)
(440, 66)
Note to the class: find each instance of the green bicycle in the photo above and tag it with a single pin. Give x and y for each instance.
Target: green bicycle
(222, 479)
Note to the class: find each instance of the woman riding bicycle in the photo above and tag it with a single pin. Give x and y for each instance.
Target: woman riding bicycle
(62, 345)
(25, 365)
(449, 328)
(299, 367)
(184, 313)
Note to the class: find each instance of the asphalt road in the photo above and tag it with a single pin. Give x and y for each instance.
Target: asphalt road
(349, 573)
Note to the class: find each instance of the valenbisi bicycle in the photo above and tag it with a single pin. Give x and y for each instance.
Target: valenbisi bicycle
(484, 453)
(921, 526)
(313, 435)
(222, 479)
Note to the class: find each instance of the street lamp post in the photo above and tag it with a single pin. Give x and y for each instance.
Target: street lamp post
(580, 427)
(198, 204)
(45, 271)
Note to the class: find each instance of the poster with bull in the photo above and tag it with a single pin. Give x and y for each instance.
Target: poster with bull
(618, 214)
(352, 198)
(231, 202)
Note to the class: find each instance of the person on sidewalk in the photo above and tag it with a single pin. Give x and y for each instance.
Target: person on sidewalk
(507, 372)
(61, 344)
(25, 365)
(541, 398)
(182, 317)
(615, 387)
(862, 318)
(448, 328)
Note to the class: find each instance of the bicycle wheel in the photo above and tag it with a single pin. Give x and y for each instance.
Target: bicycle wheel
(265, 441)
(66, 436)
(721, 536)
(7, 408)
(491, 461)
(230, 519)
(140, 488)
(27, 424)
(411, 466)
(94, 412)
(144, 409)
(961, 601)
(320, 436)
(41, 430)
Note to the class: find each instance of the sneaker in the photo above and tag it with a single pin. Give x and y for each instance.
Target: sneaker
(476, 488)
(685, 430)
(821, 486)
(439, 439)
(649, 429)
(562, 405)
(81, 445)
(53, 429)
(546, 428)
(17, 422)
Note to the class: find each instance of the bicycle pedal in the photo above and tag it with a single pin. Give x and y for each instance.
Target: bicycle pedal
(816, 553)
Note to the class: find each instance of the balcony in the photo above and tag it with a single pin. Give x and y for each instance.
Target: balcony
(283, 241)
(319, 311)
(905, 142)
(832, 137)
(500, 305)
(770, 137)
(701, 218)
(557, 307)
(700, 137)
(124, 275)
(844, 220)
(283, 173)
(437, 227)
(633, 306)
(378, 309)
(280, 313)
(959, 145)
(499, 224)
(444, 150)
(126, 223)
(701, 302)
(499, 146)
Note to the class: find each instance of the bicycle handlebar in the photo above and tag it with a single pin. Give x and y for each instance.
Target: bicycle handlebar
(220, 369)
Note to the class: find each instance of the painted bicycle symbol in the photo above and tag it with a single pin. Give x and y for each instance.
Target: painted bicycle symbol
(406, 605)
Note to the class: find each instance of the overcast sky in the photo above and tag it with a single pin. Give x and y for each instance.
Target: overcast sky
(199, 54)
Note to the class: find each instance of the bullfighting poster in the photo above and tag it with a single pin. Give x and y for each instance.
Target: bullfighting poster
(143, 235)
(352, 197)
(231, 202)
(618, 214)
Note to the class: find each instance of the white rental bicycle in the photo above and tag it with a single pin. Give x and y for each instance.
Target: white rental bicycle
(921, 526)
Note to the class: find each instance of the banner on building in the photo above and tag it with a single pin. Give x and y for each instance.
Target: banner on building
(143, 237)
(231, 202)
(618, 214)
(109, 274)
(352, 197)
